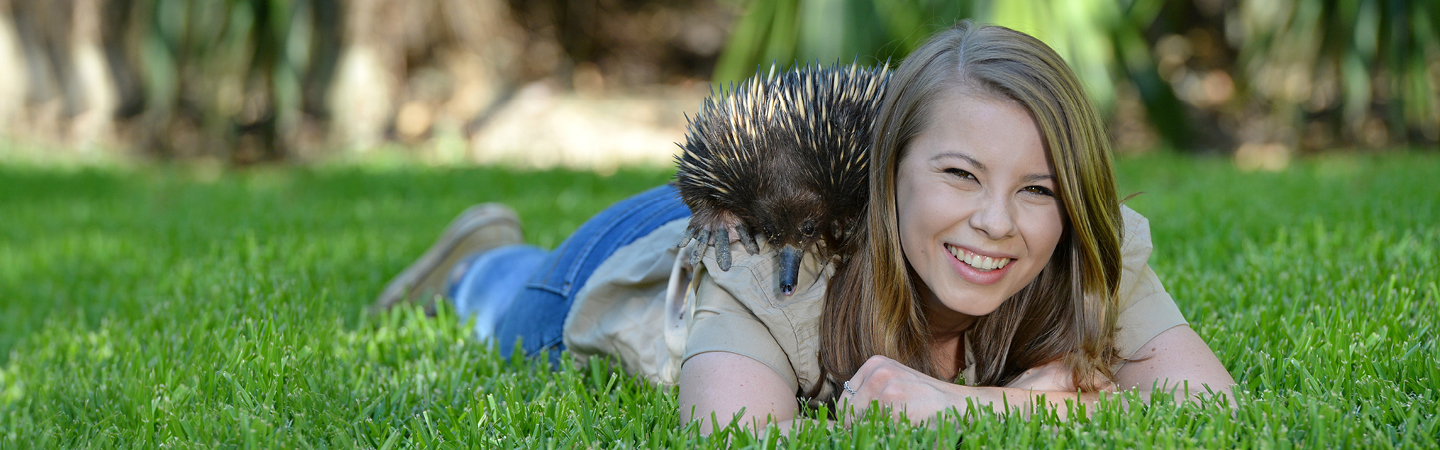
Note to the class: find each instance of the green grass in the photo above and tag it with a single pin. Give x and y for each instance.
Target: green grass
(162, 307)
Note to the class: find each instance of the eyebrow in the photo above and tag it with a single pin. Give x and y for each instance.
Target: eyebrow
(978, 166)
(1031, 178)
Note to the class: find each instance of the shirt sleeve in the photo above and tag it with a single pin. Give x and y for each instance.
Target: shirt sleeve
(742, 311)
(723, 324)
(1146, 310)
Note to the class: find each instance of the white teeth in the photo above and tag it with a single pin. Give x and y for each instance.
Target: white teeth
(983, 263)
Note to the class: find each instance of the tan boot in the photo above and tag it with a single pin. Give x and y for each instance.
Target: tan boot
(481, 227)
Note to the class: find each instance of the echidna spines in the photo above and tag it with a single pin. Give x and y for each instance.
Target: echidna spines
(798, 138)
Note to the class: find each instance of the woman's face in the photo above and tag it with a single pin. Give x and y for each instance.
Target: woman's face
(975, 201)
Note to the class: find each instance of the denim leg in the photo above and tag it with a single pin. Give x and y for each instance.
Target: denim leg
(488, 282)
(536, 317)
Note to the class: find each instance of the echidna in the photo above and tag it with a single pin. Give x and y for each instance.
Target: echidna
(784, 155)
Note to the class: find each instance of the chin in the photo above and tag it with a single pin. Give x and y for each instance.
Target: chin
(978, 305)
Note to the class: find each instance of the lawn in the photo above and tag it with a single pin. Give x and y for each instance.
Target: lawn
(169, 306)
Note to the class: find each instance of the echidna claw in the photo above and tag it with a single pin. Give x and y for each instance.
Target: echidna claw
(721, 240)
(686, 237)
(747, 239)
(702, 240)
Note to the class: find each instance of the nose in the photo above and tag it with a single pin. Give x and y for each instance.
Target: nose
(994, 217)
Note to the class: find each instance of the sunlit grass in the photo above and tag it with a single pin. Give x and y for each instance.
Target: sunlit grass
(149, 307)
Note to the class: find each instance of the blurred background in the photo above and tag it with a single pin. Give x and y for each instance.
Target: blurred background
(600, 83)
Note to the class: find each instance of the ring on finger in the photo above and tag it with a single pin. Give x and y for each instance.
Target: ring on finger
(848, 389)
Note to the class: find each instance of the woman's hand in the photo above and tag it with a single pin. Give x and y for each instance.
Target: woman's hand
(1054, 376)
(1176, 363)
(884, 382)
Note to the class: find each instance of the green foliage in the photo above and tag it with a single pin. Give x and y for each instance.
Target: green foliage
(1101, 40)
(827, 31)
(212, 73)
(1359, 71)
(175, 307)
(1342, 58)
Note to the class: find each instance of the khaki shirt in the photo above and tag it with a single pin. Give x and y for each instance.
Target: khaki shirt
(651, 310)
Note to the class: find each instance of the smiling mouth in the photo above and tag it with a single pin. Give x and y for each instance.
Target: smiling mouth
(981, 263)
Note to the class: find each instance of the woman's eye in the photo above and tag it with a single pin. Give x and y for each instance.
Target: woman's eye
(960, 173)
(1040, 190)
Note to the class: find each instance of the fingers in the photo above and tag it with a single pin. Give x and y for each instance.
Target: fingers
(876, 363)
(849, 403)
(864, 385)
(901, 393)
(876, 380)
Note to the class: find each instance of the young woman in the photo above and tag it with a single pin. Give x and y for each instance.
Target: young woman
(995, 263)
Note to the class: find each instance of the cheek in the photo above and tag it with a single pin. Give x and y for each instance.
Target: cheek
(908, 223)
(906, 196)
(921, 216)
(914, 243)
(1042, 229)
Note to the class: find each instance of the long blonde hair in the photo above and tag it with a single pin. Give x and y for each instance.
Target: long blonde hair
(1069, 310)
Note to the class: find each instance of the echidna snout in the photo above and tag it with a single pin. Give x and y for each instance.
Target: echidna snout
(789, 268)
(789, 219)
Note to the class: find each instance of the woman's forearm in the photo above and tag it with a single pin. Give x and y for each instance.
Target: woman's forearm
(1025, 401)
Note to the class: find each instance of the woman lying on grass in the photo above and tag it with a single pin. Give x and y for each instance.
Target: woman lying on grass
(995, 265)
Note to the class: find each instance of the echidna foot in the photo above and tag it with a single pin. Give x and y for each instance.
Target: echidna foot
(702, 241)
(747, 239)
(686, 237)
(721, 240)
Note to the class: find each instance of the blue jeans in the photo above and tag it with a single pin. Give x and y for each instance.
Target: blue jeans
(533, 312)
